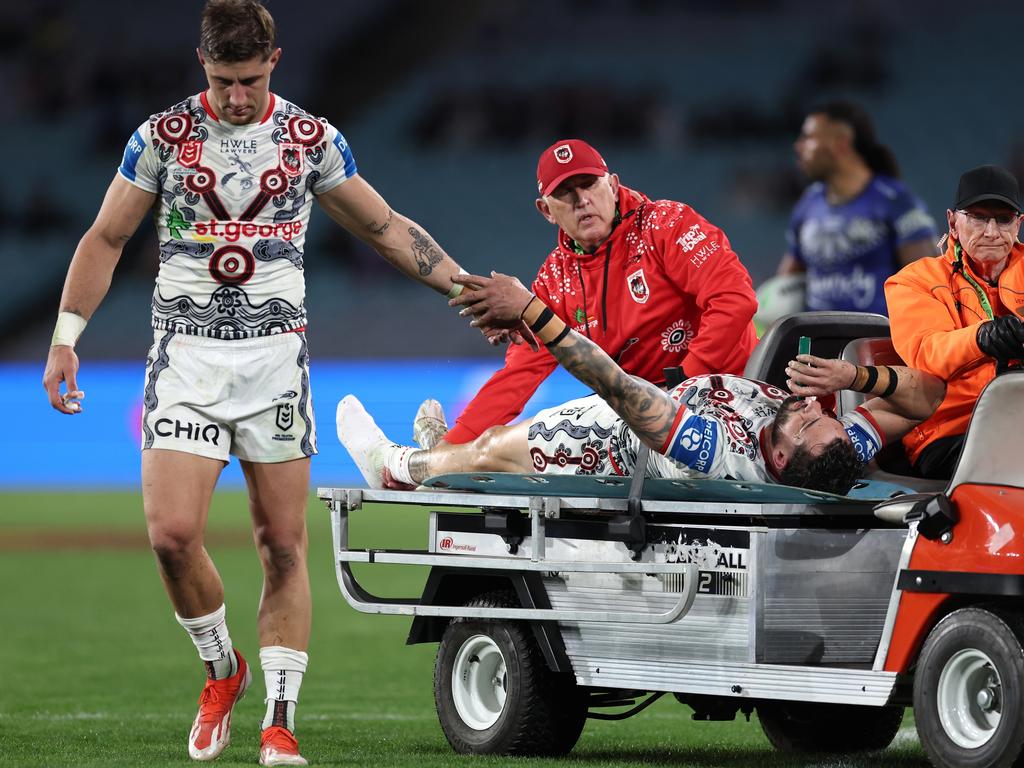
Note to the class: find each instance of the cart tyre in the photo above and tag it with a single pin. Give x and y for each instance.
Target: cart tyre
(494, 693)
(800, 726)
(968, 693)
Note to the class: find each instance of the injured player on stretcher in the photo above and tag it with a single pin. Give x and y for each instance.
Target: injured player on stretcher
(711, 426)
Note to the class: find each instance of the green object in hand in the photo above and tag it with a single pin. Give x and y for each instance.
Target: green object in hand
(805, 345)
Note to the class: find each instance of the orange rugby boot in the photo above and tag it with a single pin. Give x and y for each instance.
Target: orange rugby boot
(279, 747)
(211, 731)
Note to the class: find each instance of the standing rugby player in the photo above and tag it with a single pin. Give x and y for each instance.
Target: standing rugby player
(230, 175)
(857, 223)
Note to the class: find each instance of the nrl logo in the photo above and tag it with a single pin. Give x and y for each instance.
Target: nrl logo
(563, 154)
(189, 153)
(290, 158)
(285, 416)
(638, 287)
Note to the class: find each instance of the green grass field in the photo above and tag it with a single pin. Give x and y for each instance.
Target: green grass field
(97, 672)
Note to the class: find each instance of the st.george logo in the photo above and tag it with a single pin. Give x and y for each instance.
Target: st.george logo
(563, 154)
(638, 287)
(290, 158)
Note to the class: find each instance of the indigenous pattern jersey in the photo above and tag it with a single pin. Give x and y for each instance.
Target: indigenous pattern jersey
(233, 204)
(717, 434)
(849, 250)
(719, 430)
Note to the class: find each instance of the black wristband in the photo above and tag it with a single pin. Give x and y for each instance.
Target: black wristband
(893, 382)
(543, 319)
(872, 378)
(555, 341)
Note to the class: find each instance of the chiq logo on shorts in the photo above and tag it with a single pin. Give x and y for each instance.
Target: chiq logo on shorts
(190, 431)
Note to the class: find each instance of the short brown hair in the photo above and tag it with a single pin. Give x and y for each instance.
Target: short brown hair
(834, 470)
(236, 30)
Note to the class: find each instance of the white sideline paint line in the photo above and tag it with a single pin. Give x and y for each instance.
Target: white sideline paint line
(905, 735)
(365, 716)
(50, 717)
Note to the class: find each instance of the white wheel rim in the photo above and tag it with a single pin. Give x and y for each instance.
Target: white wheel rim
(479, 682)
(969, 698)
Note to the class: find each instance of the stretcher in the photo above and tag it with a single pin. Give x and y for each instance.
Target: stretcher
(554, 599)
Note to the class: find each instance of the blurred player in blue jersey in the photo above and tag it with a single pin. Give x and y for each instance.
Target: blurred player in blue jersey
(230, 175)
(857, 223)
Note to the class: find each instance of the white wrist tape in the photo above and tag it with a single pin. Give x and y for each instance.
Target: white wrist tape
(458, 288)
(69, 328)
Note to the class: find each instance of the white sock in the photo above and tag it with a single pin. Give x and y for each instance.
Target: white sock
(211, 638)
(396, 459)
(283, 669)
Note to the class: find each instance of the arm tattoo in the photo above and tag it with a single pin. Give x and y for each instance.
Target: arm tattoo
(647, 410)
(381, 229)
(425, 251)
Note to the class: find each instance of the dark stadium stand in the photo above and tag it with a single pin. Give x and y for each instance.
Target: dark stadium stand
(694, 101)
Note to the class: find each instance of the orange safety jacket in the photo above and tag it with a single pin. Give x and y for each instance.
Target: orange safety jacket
(934, 314)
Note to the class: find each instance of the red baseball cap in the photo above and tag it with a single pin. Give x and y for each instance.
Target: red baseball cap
(565, 158)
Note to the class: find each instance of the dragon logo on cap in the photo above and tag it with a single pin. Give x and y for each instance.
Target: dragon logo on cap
(563, 154)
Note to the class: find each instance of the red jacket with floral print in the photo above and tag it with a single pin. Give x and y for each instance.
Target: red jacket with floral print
(665, 289)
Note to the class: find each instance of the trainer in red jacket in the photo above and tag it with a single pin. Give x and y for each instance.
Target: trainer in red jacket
(652, 282)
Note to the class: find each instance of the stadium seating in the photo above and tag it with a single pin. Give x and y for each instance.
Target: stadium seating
(716, 130)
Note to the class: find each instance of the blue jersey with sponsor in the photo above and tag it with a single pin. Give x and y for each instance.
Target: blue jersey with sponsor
(850, 249)
(721, 424)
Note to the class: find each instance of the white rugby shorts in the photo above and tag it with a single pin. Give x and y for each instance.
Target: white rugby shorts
(581, 437)
(212, 397)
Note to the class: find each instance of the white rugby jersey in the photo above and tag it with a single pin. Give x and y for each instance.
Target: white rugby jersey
(719, 431)
(232, 211)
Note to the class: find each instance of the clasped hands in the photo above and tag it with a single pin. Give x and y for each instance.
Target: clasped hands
(496, 305)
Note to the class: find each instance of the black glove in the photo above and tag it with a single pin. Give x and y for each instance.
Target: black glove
(1002, 338)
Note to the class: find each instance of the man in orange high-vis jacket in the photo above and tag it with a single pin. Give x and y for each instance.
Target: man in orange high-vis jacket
(958, 315)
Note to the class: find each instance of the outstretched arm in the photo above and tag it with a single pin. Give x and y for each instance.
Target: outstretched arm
(403, 243)
(645, 408)
(359, 208)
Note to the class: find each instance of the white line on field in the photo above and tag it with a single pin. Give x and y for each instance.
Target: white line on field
(365, 716)
(65, 716)
(905, 735)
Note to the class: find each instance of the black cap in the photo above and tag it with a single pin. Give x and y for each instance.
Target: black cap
(988, 182)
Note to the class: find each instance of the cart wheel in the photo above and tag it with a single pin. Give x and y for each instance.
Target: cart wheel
(967, 690)
(800, 726)
(494, 693)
